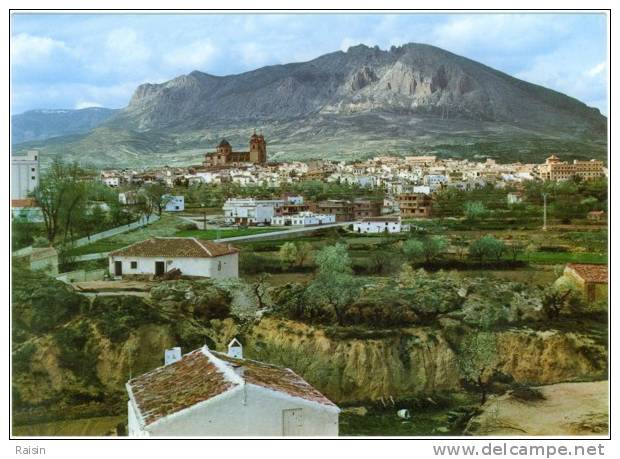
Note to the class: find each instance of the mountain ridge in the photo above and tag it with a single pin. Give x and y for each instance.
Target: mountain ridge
(344, 104)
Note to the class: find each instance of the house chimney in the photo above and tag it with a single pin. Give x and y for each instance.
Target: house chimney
(172, 355)
(235, 349)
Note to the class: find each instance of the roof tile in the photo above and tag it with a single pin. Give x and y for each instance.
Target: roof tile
(590, 272)
(186, 247)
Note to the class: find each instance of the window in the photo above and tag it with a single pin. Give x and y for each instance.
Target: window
(32, 169)
(219, 265)
(134, 265)
(33, 177)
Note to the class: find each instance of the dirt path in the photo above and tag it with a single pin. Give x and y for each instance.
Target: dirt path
(568, 409)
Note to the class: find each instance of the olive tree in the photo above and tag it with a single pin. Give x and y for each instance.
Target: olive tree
(334, 286)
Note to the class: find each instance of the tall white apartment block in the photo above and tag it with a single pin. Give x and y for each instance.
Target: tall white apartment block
(24, 174)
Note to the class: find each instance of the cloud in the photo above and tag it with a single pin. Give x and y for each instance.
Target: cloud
(194, 56)
(597, 69)
(80, 104)
(124, 47)
(63, 60)
(29, 49)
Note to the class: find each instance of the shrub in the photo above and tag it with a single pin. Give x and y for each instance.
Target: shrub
(77, 352)
(118, 316)
(40, 302)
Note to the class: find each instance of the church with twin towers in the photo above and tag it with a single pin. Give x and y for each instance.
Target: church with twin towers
(224, 154)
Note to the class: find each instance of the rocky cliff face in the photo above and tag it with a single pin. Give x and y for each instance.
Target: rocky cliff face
(408, 80)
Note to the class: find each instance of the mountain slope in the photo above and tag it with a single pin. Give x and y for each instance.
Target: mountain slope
(43, 124)
(347, 104)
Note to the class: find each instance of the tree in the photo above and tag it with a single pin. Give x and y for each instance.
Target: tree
(413, 249)
(474, 210)
(433, 246)
(334, 286)
(145, 206)
(288, 253)
(158, 195)
(561, 297)
(487, 247)
(305, 253)
(259, 289)
(478, 356)
(478, 360)
(428, 248)
(58, 194)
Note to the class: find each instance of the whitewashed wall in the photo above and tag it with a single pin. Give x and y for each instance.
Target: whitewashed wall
(376, 227)
(247, 411)
(222, 267)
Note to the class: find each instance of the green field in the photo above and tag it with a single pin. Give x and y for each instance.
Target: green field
(225, 233)
(559, 258)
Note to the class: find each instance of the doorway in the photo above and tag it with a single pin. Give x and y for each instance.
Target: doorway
(160, 268)
(118, 268)
(292, 422)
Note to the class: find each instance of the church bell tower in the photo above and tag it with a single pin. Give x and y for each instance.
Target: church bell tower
(258, 149)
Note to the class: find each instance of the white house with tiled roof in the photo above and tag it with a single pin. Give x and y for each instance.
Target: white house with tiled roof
(159, 255)
(207, 393)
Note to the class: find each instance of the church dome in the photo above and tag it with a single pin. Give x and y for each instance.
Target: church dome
(224, 143)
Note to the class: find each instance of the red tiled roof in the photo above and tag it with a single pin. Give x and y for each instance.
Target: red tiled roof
(201, 375)
(589, 272)
(177, 386)
(187, 247)
(275, 378)
(25, 202)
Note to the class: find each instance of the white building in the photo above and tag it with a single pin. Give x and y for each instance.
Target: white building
(303, 219)
(174, 203)
(128, 198)
(246, 211)
(514, 197)
(193, 257)
(207, 393)
(379, 225)
(24, 174)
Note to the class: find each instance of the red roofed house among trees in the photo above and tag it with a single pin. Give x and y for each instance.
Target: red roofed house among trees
(193, 257)
(591, 279)
(207, 393)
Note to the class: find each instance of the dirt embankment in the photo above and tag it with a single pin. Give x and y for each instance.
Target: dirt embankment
(413, 361)
(563, 409)
(347, 366)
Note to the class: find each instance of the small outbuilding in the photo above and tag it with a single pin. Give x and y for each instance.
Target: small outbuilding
(591, 279)
(208, 393)
(191, 256)
(44, 259)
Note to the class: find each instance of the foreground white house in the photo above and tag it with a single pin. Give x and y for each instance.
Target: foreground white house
(193, 257)
(207, 393)
(379, 225)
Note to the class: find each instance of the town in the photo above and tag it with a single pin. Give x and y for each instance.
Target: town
(223, 254)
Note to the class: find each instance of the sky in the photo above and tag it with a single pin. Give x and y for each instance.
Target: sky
(87, 60)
